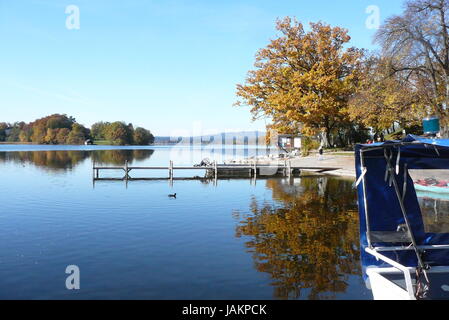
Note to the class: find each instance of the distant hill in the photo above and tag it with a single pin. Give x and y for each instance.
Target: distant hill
(229, 138)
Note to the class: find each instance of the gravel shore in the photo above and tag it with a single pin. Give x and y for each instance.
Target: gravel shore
(344, 163)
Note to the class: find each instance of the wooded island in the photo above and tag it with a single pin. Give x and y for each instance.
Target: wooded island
(63, 129)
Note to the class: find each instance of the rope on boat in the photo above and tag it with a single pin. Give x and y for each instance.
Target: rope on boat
(422, 289)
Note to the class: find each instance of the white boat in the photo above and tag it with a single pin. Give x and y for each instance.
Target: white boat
(401, 258)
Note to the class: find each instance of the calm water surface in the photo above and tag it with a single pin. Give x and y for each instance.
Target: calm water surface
(276, 239)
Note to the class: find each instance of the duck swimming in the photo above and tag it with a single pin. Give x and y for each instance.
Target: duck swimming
(172, 195)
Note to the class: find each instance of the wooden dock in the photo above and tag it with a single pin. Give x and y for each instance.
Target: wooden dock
(213, 171)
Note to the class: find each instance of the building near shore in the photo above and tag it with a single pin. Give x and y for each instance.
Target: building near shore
(290, 141)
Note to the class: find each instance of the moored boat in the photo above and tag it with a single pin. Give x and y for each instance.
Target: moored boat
(403, 257)
(432, 188)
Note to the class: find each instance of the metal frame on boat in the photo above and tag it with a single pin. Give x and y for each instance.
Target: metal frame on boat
(393, 239)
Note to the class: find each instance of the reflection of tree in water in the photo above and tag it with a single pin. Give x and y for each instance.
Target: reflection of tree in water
(309, 241)
(118, 157)
(55, 160)
(68, 159)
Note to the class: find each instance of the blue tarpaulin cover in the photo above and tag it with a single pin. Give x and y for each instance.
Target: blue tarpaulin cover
(383, 206)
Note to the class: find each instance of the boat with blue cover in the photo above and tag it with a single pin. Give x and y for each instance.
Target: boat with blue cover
(404, 229)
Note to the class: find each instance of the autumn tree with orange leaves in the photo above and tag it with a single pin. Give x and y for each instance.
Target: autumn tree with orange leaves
(385, 98)
(303, 80)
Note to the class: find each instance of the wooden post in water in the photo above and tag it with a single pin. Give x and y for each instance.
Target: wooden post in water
(170, 174)
(93, 169)
(98, 173)
(215, 173)
(255, 171)
(255, 168)
(126, 170)
(215, 169)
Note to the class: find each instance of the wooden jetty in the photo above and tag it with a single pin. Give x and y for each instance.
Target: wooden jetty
(213, 171)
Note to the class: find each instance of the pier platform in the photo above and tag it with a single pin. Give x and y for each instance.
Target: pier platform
(213, 171)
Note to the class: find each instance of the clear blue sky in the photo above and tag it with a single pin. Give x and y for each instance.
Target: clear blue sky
(164, 65)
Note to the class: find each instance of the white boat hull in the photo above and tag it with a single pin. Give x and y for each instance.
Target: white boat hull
(389, 283)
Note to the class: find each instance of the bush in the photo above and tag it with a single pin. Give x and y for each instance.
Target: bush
(307, 145)
(142, 137)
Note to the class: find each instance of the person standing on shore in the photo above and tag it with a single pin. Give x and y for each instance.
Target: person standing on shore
(320, 151)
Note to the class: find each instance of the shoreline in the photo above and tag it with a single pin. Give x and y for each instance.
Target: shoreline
(344, 163)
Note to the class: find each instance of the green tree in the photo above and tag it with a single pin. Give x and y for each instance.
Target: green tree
(25, 135)
(99, 130)
(77, 135)
(50, 137)
(118, 133)
(14, 133)
(3, 127)
(39, 133)
(58, 121)
(384, 97)
(62, 135)
(142, 136)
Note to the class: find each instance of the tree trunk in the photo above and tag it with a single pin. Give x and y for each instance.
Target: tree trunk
(325, 139)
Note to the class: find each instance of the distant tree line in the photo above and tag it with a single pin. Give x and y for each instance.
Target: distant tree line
(68, 159)
(63, 129)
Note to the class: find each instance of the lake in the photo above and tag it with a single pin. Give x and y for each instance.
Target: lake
(278, 238)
